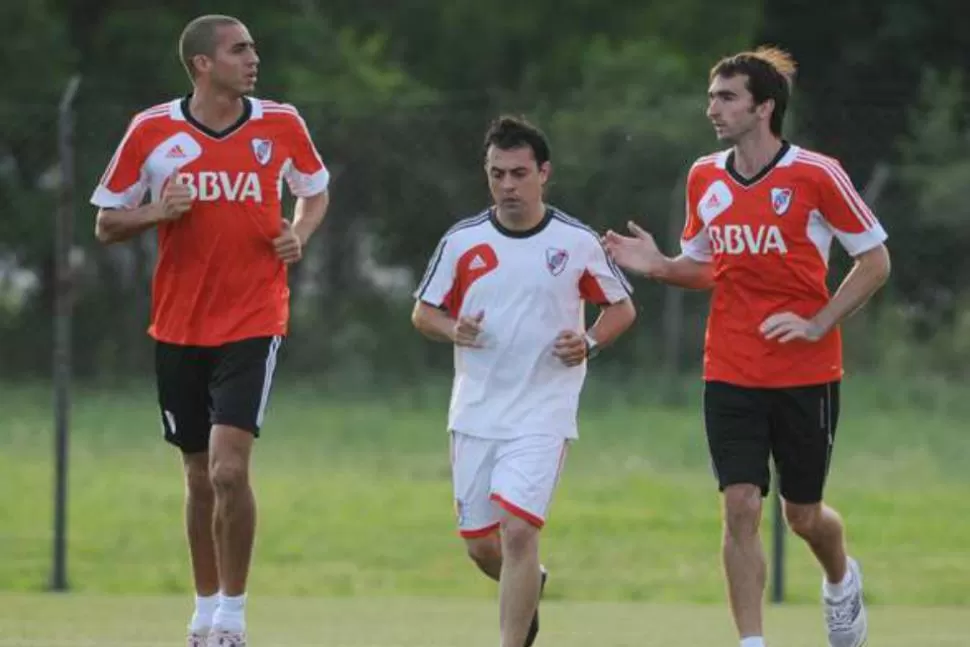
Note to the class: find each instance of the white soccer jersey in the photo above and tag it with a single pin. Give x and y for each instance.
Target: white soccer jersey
(531, 286)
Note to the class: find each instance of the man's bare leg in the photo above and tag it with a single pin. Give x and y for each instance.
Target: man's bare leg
(199, 510)
(744, 559)
(822, 529)
(486, 552)
(519, 581)
(234, 522)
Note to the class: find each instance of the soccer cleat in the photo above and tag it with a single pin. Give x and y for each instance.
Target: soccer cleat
(846, 617)
(223, 638)
(197, 639)
(530, 637)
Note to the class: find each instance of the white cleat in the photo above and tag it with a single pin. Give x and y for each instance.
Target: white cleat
(846, 617)
(197, 639)
(223, 638)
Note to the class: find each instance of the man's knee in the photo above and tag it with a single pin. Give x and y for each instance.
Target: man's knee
(742, 510)
(802, 518)
(229, 458)
(519, 536)
(228, 475)
(485, 551)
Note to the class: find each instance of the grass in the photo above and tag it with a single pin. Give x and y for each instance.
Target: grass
(100, 621)
(355, 501)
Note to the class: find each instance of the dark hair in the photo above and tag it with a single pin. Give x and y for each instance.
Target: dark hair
(508, 132)
(770, 73)
(199, 37)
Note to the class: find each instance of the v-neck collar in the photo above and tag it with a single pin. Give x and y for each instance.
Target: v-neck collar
(216, 134)
(760, 175)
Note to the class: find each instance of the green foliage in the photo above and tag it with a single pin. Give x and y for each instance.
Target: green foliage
(934, 166)
(36, 67)
(397, 100)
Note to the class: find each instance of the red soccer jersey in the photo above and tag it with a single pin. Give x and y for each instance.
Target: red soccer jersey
(769, 239)
(217, 278)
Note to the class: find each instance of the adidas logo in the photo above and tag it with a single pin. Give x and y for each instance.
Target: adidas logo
(477, 263)
(176, 152)
(714, 202)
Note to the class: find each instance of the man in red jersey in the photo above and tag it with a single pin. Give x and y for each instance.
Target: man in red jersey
(213, 162)
(761, 217)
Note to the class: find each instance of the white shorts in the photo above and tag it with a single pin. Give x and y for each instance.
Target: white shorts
(494, 477)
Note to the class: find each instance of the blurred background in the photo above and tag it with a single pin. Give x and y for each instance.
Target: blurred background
(397, 96)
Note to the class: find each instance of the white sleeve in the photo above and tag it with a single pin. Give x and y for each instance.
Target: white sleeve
(844, 210)
(439, 277)
(124, 182)
(697, 248)
(603, 282)
(305, 173)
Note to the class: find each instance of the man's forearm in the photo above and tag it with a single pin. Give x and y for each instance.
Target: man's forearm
(433, 323)
(308, 214)
(613, 321)
(867, 275)
(117, 225)
(685, 272)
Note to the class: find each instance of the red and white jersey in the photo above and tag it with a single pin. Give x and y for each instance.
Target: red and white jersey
(531, 285)
(218, 278)
(769, 239)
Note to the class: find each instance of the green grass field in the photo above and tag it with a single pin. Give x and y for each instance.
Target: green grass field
(356, 523)
(97, 621)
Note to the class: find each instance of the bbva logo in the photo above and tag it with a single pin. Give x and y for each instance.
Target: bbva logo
(745, 239)
(209, 186)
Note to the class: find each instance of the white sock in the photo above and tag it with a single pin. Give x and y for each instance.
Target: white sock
(231, 614)
(205, 608)
(753, 641)
(838, 590)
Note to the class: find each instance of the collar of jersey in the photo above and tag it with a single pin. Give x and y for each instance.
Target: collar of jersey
(516, 233)
(216, 134)
(748, 181)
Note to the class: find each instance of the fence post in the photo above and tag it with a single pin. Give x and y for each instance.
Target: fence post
(63, 294)
(673, 304)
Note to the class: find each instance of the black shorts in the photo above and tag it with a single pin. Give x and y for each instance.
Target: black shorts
(202, 386)
(794, 426)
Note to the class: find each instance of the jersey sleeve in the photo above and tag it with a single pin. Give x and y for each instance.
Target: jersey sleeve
(305, 173)
(845, 212)
(695, 242)
(124, 182)
(602, 282)
(438, 283)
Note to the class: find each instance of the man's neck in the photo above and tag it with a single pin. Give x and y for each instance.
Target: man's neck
(755, 152)
(523, 221)
(215, 110)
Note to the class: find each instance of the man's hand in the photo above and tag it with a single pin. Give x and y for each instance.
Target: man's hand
(638, 253)
(288, 246)
(467, 329)
(176, 198)
(787, 326)
(570, 348)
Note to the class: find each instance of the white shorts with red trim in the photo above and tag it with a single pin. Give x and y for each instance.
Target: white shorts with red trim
(493, 477)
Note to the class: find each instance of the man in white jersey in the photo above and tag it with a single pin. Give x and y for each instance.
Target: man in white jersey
(507, 287)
